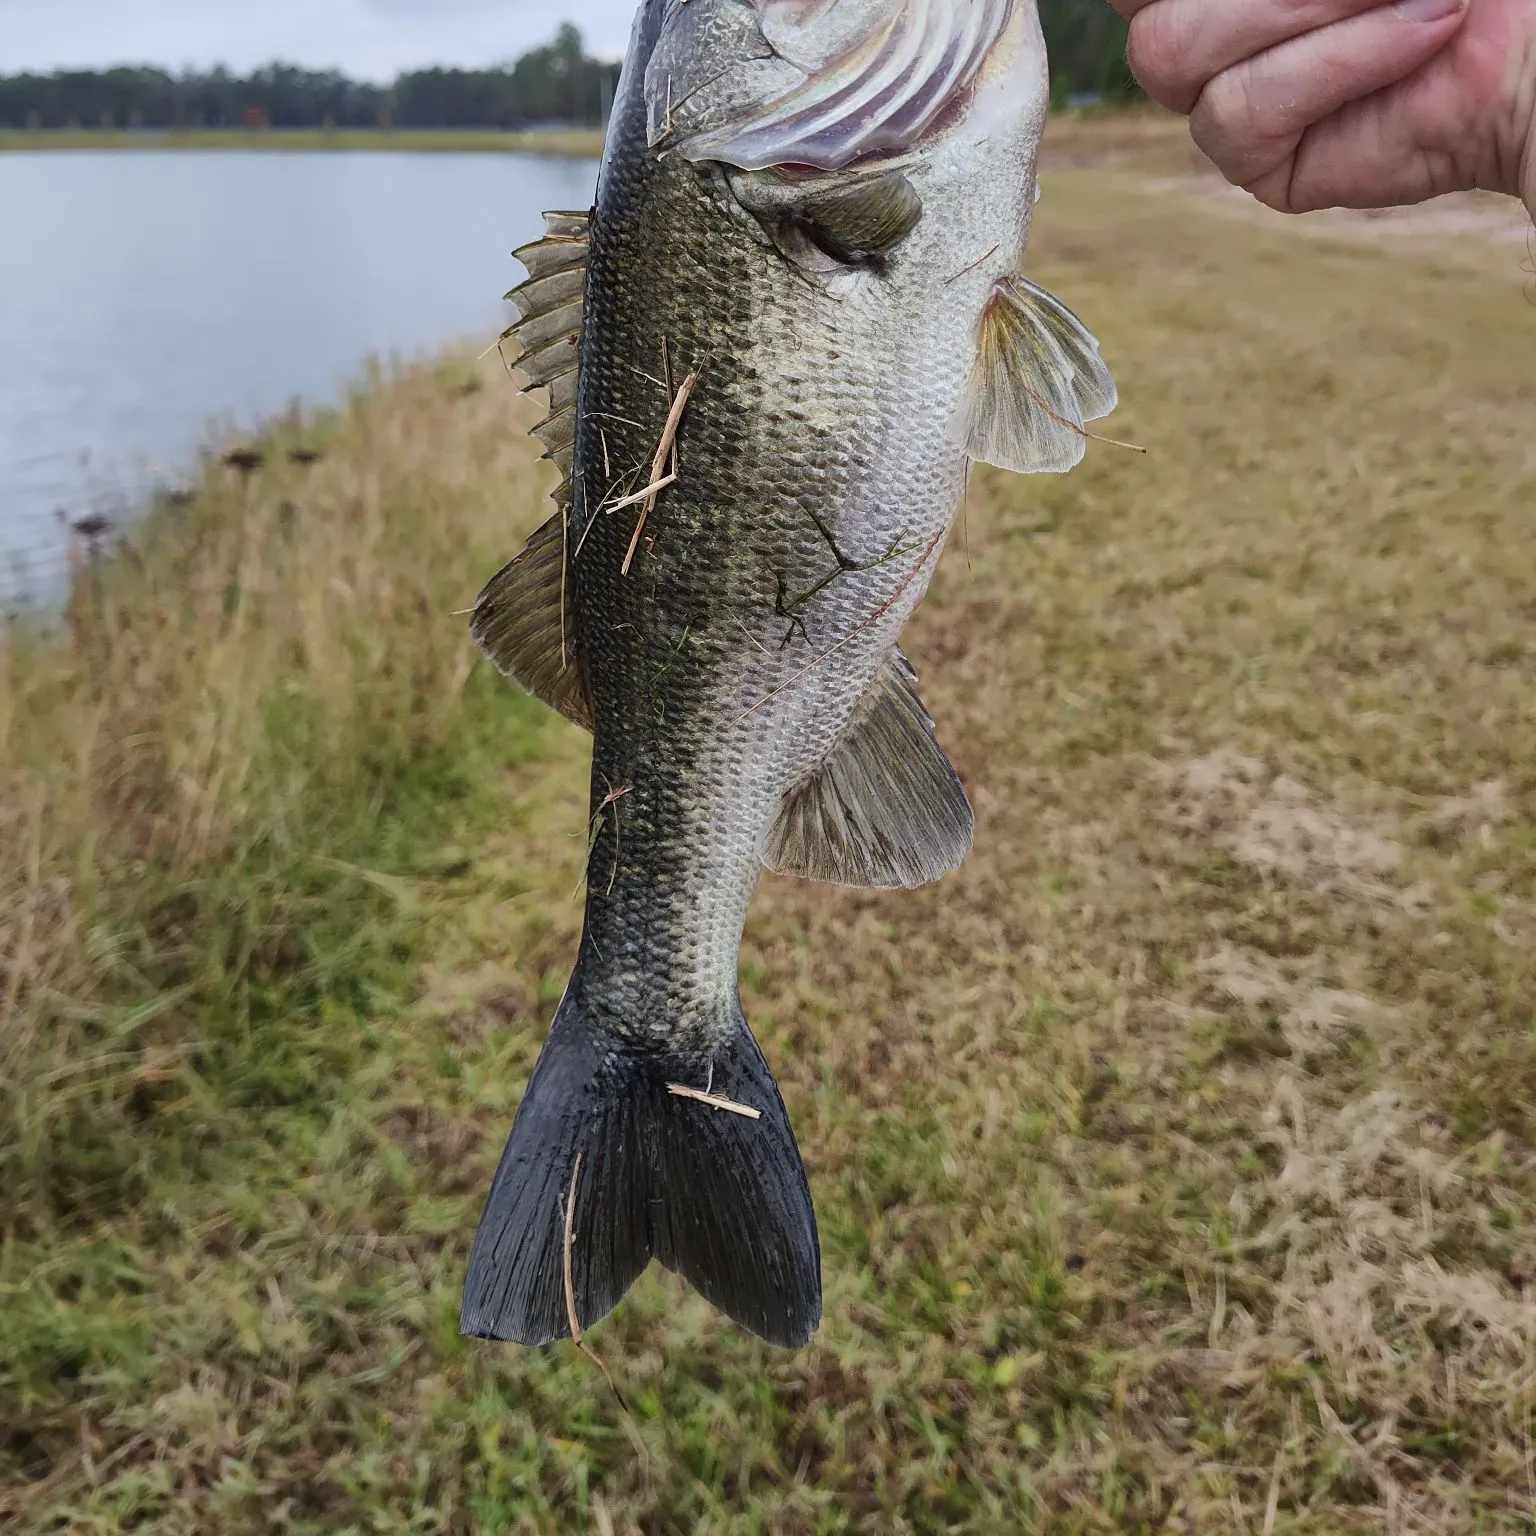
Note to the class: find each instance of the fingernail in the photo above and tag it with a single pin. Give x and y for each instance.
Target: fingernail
(1428, 10)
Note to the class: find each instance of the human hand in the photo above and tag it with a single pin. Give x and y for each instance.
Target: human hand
(1326, 103)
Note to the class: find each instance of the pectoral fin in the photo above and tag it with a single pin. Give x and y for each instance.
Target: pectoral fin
(886, 809)
(1038, 378)
(870, 219)
(520, 623)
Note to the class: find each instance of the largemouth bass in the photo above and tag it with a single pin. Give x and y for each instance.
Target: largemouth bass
(773, 349)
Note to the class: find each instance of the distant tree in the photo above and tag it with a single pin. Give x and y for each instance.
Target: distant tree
(1085, 41)
(557, 83)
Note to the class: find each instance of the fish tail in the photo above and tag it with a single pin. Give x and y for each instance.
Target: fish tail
(621, 1154)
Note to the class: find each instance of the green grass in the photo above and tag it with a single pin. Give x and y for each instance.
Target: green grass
(574, 141)
(1173, 1158)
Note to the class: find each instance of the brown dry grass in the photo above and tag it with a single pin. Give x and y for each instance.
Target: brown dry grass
(1174, 1158)
(1144, 138)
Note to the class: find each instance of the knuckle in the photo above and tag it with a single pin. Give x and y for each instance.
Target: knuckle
(1228, 108)
(1159, 54)
(1273, 189)
(1228, 125)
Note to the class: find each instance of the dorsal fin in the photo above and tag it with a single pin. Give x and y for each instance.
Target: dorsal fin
(520, 618)
(520, 623)
(548, 330)
(886, 809)
(1038, 378)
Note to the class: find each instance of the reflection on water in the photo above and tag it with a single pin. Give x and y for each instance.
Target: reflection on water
(147, 299)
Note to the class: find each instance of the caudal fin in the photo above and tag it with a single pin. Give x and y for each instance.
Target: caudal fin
(715, 1194)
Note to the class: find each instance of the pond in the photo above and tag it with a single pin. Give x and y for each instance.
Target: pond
(150, 301)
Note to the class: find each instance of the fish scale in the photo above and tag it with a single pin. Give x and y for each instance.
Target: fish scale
(853, 336)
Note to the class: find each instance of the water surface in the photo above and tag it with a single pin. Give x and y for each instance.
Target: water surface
(150, 300)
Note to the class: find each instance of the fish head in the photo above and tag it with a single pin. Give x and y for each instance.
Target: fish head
(824, 83)
(860, 177)
(857, 120)
(888, 149)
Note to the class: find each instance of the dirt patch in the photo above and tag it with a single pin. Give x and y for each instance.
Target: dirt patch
(1481, 216)
(1158, 145)
(1291, 833)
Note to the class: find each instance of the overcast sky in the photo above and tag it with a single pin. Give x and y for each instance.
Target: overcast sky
(368, 38)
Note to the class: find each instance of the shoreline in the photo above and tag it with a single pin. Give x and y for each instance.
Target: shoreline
(580, 143)
(1140, 135)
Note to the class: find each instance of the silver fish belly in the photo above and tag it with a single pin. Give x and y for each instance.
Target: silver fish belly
(772, 350)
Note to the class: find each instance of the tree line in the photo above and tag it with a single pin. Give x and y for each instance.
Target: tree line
(1086, 44)
(557, 83)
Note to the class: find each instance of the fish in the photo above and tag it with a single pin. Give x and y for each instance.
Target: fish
(773, 349)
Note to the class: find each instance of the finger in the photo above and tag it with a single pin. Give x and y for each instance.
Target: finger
(1128, 8)
(1251, 117)
(1361, 157)
(1402, 145)
(1177, 46)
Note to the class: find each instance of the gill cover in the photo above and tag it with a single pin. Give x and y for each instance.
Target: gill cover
(758, 83)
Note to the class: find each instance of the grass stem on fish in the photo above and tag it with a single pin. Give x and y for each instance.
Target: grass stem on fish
(679, 1091)
(665, 449)
(577, 1335)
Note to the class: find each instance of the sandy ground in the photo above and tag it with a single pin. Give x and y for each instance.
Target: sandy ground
(1158, 146)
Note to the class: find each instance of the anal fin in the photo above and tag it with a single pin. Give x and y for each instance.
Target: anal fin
(886, 809)
(1038, 379)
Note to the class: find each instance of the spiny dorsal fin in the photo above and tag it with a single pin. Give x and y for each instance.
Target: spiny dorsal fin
(520, 623)
(886, 809)
(548, 330)
(1038, 378)
(520, 617)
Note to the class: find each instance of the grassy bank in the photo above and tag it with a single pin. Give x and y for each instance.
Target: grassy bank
(1174, 1158)
(575, 141)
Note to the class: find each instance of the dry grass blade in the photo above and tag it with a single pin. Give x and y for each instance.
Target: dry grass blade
(663, 450)
(567, 1264)
(1272, 1501)
(731, 1106)
(566, 1252)
(648, 494)
(1078, 427)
